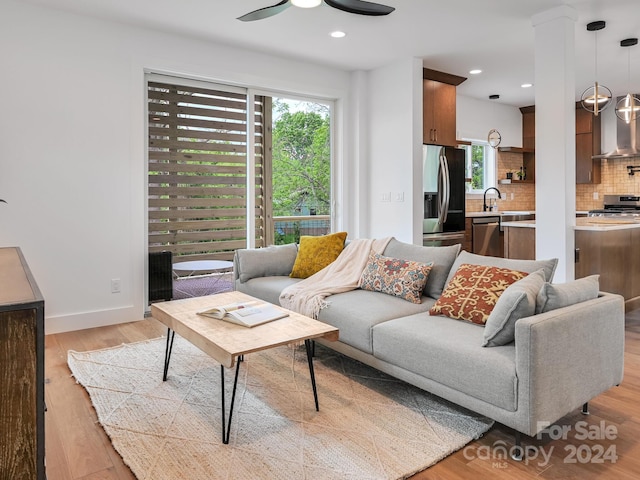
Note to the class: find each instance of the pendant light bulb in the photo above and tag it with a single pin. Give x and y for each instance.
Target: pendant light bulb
(628, 107)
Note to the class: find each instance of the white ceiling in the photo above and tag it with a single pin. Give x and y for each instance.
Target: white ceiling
(453, 36)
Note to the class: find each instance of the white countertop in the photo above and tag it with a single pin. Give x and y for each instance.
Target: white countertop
(514, 212)
(597, 224)
(499, 213)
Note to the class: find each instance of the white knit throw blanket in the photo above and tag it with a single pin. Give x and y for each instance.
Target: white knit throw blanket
(308, 296)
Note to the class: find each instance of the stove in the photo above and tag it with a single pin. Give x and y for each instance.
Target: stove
(618, 206)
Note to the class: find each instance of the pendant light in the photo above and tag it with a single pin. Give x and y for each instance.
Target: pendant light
(595, 99)
(628, 107)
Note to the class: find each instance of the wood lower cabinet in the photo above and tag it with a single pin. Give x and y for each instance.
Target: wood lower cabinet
(520, 243)
(467, 244)
(615, 256)
(21, 370)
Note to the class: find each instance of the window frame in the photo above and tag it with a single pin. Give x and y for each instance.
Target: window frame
(490, 167)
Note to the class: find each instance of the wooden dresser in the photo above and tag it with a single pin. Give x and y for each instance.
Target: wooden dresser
(21, 370)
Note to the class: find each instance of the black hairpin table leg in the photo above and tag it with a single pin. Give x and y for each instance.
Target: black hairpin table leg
(167, 352)
(226, 427)
(307, 344)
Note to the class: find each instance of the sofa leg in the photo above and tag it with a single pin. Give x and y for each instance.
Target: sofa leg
(517, 452)
(585, 409)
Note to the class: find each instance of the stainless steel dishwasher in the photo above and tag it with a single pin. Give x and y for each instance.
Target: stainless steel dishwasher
(485, 236)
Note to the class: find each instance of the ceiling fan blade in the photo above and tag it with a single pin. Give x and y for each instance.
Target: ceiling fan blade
(360, 7)
(266, 12)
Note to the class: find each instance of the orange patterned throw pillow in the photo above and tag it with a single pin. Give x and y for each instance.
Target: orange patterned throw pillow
(473, 292)
(315, 253)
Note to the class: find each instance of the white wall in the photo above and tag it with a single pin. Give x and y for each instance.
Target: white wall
(395, 148)
(72, 147)
(474, 119)
(356, 192)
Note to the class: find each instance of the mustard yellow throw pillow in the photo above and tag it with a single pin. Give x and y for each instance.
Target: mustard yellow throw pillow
(315, 253)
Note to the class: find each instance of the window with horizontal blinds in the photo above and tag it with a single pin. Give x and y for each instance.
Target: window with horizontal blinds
(197, 196)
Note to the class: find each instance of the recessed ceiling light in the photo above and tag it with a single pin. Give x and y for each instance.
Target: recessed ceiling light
(527, 85)
(475, 71)
(338, 34)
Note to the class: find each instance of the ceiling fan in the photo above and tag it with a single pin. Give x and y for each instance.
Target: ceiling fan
(358, 7)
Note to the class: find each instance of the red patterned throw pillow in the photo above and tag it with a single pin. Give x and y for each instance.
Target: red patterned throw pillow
(402, 278)
(473, 292)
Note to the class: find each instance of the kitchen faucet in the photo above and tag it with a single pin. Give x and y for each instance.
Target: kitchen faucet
(484, 202)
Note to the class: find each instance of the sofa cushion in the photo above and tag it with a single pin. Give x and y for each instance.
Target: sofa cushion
(561, 295)
(450, 353)
(315, 253)
(266, 288)
(265, 262)
(441, 257)
(473, 292)
(518, 301)
(354, 313)
(402, 278)
(528, 266)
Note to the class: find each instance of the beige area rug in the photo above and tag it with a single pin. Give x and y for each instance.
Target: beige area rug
(369, 426)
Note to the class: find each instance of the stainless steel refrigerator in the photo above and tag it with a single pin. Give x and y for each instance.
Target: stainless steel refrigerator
(443, 182)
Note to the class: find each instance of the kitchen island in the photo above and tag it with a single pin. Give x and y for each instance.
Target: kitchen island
(609, 247)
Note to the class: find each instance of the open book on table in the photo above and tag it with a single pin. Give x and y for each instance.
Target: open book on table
(247, 314)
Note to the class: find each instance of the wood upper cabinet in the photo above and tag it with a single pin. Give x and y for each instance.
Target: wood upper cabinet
(528, 127)
(588, 143)
(439, 113)
(439, 107)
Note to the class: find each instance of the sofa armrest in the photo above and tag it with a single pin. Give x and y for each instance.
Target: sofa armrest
(275, 260)
(567, 356)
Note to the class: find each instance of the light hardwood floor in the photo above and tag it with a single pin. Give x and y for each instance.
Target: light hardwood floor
(77, 447)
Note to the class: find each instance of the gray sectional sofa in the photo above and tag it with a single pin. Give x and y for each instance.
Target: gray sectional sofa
(559, 360)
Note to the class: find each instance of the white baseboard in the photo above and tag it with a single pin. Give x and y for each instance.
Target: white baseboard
(101, 318)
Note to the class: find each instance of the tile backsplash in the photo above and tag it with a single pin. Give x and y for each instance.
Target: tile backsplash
(524, 194)
(615, 180)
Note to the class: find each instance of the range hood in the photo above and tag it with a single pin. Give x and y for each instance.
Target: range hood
(628, 140)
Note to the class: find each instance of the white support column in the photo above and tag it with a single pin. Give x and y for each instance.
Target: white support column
(555, 138)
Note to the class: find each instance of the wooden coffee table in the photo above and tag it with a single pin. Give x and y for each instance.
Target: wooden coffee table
(228, 343)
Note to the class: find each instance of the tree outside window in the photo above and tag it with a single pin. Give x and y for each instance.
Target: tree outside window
(301, 165)
(480, 167)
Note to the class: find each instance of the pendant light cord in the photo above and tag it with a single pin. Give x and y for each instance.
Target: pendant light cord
(595, 48)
